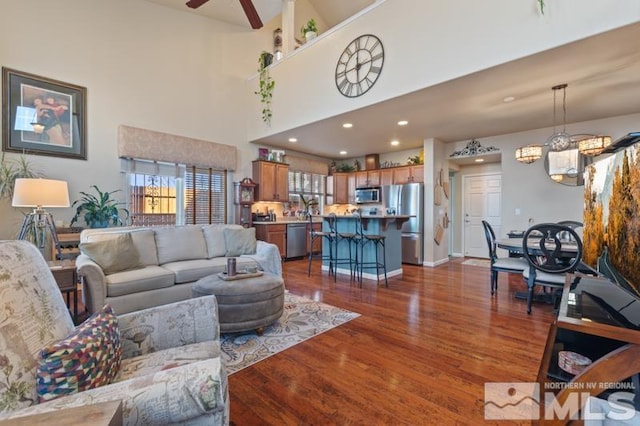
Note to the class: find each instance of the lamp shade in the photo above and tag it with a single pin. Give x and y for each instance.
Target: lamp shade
(594, 146)
(40, 193)
(528, 154)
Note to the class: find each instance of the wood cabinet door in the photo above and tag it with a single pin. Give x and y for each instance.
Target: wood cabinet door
(373, 178)
(417, 173)
(282, 182)
(341, 188)
(277, 234)
(361, 179)
(401, 175)
(386, 177)
(264, 174)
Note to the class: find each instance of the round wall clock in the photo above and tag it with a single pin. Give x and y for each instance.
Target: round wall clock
(359, 65)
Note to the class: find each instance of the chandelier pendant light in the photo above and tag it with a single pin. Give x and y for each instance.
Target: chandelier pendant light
(528, 154)
(587, 144)
(594, 145)
(559, 141)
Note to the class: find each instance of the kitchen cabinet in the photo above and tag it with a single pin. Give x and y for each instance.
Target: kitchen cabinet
(351, 188)
(386, 177)
(408, 174)
(272, 179)
(368, 178)
(340, 188)
(274, 234)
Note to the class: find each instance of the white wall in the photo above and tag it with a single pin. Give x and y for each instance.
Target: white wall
(527, 186)
(143, 65)
(436, 41)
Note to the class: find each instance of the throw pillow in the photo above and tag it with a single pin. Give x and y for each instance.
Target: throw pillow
(87, 358)
(114, 254)
(240, 241)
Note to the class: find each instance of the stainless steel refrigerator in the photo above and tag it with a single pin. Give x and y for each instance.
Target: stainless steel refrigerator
(408, 199)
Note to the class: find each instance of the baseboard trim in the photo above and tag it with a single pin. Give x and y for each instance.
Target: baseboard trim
(436, 263)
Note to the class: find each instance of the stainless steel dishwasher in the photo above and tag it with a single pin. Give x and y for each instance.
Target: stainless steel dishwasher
(296, 240)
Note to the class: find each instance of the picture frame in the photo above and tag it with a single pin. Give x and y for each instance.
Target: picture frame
(43, 116)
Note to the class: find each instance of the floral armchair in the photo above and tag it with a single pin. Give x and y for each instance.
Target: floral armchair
(166, 369)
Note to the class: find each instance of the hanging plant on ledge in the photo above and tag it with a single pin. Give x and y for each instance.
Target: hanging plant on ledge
(541, 4)
(267, 84)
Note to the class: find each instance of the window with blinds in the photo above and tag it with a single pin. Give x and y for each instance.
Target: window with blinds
(205, 196)
(310, 185)
(152, 199)
(163, 194)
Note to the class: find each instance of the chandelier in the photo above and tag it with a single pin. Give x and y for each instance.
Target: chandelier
(560, 140)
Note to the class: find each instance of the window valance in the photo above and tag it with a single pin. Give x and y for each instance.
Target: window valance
(301, 164)
(157, 146)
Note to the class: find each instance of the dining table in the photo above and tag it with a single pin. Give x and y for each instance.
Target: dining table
(516, 245)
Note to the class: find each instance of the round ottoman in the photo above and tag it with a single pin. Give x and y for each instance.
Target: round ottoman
(244, 304)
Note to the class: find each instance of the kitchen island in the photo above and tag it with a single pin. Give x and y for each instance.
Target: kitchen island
(389, 226)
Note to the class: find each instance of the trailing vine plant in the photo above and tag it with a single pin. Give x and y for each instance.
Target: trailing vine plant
(541, 4)
(266, 87)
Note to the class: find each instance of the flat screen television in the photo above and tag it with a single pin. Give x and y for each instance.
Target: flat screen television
(611, 233)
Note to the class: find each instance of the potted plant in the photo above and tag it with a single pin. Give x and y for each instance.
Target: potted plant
(10, 170)
(266, 85)
(308, 204)
(310, 30)
(98, 211)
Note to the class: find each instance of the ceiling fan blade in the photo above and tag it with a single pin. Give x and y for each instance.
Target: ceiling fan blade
(252, 14)
(194, 4)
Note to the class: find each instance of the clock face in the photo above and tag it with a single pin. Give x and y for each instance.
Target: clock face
(359, 65)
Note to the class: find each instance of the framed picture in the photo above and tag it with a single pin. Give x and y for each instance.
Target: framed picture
(43, 116)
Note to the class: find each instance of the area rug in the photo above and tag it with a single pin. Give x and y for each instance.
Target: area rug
(302, 319)
(485, 263)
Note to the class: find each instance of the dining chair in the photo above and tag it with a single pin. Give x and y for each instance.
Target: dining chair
(573, 224)
(550, 257)
(512, 265)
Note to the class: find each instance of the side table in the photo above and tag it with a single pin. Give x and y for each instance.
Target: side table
(66, 276)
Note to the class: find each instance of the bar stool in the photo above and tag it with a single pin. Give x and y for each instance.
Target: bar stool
(378, 242)
(327, 237)
(340, 237)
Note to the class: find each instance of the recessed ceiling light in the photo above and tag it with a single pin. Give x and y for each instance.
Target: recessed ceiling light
(403, 123)
(479, 160)
(347, 125)
(343, 152)
(395, 143)
(509, 99)
(293, 139)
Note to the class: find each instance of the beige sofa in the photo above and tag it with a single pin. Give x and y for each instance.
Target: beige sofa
(164, 262)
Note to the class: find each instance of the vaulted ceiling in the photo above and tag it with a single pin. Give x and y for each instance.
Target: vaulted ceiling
(603, 74)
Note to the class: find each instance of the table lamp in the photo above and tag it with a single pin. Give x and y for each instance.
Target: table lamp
(39, 193)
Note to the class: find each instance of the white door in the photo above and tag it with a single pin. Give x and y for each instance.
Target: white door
(482, 200)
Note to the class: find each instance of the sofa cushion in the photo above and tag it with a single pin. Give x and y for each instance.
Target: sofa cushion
(192, 270)
(87, 358)
(180, 243)
(143, 239)
(240, 241)
(145, 242)
(113, 254)
(134, 281)
(214, 237)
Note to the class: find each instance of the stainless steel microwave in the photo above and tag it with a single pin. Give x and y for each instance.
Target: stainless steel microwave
(368, 195)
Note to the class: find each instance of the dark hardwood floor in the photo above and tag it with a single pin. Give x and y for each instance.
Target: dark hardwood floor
(420, 353)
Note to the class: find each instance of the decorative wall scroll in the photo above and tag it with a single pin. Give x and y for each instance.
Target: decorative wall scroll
(474, 148)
